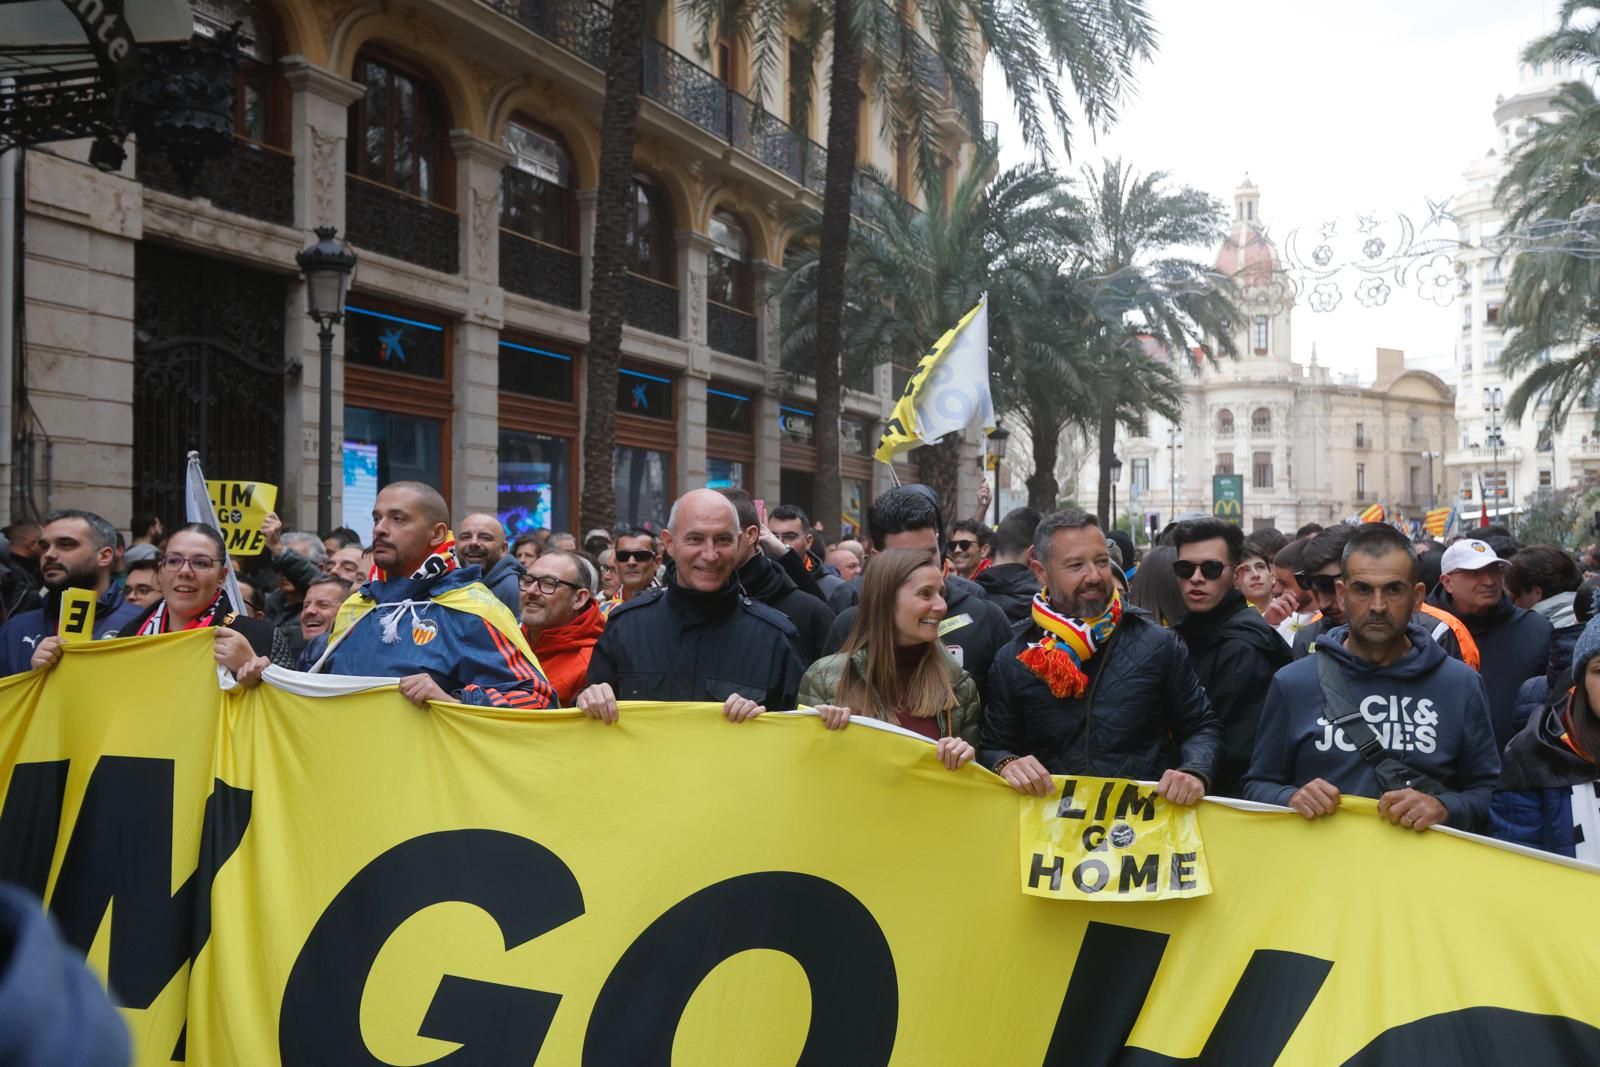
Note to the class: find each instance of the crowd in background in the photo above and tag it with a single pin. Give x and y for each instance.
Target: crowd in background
(1455, 683)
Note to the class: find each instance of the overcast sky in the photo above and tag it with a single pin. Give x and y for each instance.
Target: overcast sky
(1333, 110)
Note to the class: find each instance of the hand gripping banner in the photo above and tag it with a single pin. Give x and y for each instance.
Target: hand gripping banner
(277, 876)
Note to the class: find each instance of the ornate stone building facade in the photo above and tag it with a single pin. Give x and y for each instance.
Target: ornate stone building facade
(455, 146)
(1310, 447)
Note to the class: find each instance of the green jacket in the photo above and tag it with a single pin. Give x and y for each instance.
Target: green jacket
(821, 681)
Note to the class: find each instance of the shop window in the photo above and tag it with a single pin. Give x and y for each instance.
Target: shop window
(724, 473)
(534, 485)
(529, 370)
(646, 395)
(797, 426)
(642, 478)
(393, 341)
(729, 412)
(728, 267)
(536, 195)
(382, 447)
(397, 130)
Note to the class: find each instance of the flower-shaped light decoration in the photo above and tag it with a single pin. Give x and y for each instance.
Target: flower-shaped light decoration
(1322, 255)
(1372, 292)
(1325, 297)
(1267, 297)
(1373, 248)
(1436, 280)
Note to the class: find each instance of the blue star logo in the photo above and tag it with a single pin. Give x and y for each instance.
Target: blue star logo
(640, 400)
(389, 345)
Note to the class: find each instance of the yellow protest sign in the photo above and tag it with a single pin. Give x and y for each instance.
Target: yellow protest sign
(77, 616)
(1108, 839)
(241, 508)
(359, 882)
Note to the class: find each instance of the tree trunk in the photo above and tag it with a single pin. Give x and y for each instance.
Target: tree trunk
(1108, 448)
(1043, 492)
(844, 87)
(608, 290)
(939, 468)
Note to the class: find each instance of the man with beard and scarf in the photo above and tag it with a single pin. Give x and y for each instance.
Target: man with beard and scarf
(699, 637)
(481, 539)
(1234, 652)
(1420, 707)
(77, 550)
(427, 621)
(1009, 583)
(1513, 643)
(1094, 686)
(765, 580)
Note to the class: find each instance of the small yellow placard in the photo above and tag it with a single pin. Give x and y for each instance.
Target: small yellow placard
(241, 508)
(1110, 839)
(77, 616)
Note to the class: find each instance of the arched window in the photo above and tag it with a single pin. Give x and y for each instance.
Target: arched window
(1224, 423)
(536, 196)
(650, 232)
(728, 271)
(397, 130)
(260, 98)
(1261, 421)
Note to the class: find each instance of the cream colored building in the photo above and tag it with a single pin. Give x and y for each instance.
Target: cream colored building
(454, 144)
(1311, 446)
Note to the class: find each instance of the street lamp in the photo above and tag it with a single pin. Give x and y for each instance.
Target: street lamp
(1493, 401)
(1116, 476)
(327, 266)
(997, 448)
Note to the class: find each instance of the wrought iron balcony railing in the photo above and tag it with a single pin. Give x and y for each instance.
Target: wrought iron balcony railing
(386, 220)
(730, 330)
(254, 179)
(544, 272)
(651, 305)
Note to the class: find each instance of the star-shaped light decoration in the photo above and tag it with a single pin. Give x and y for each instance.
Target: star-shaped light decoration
(1439, 212)
(1330, 229)
(1367, 223)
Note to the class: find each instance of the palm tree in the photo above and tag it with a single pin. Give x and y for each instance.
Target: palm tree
(1551, 191)
(927, 269)
(608, 291)
(1141, 293)
(1095, 43)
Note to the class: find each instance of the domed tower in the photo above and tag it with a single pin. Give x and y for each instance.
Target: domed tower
(1265, 294)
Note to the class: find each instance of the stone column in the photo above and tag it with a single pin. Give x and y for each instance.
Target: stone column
(769, 442)
(475, 373)
(319, 112)
(764, 283)
(692, 430)
(694, 249)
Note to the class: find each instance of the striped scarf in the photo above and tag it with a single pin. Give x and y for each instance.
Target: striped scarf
(1068, 644)
(441, 560)
(157, 622)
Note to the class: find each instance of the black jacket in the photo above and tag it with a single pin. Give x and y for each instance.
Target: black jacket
(973, 629)
(1011, 586)
(1235, 654)
(768, 583)
(265, 639)
(1513, 646)
(1144, 711)
(674, 643)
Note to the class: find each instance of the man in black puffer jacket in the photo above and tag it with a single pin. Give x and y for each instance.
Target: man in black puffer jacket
(765, 581)
(1235, 653)
(1129, 707)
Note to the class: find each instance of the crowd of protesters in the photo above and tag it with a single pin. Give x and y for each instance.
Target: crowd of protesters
(1454, 684)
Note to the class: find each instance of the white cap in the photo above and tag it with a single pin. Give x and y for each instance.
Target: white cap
(1468, 555)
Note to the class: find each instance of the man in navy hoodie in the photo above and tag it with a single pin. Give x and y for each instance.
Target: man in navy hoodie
(1429, 711)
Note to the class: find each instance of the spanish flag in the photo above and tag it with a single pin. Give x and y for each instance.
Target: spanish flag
(1438, 521)
(1372, 514)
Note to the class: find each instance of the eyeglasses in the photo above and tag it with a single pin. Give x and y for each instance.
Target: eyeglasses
(963, 546)
(1212, 569)
(1322, 583)
(639, 555)
(198, 564)
(547, 585)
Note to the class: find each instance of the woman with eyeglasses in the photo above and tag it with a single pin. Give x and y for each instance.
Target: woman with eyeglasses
(193, 569)
(893, 667)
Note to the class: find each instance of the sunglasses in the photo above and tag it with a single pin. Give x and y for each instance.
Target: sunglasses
(1322, 583)
(963, 546)
(641, 555)
(1212, 569)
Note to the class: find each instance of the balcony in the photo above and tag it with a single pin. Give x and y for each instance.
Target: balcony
(255, 180)
(544, 272)
(387, 221)
(1363, 441)
(651, 305)
(730, 330)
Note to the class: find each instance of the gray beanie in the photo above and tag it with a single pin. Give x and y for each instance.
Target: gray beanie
(1588, 643)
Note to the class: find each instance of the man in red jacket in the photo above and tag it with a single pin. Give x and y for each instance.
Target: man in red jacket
(561, 618)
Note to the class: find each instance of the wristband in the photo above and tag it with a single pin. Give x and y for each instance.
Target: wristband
(998, 767)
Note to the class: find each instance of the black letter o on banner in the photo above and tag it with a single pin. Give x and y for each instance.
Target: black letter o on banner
(855, 999)
(523, 885)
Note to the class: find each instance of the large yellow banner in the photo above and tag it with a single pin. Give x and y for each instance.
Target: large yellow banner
(362, 882)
